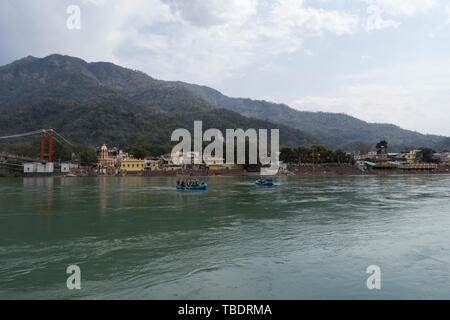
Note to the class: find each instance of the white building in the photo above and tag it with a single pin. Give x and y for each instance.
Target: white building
(65, 167)
(37, 167)
(30, 167)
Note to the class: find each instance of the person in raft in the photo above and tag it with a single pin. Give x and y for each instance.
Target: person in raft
(190, 184)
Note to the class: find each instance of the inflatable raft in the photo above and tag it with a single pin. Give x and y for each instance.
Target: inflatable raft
(201, 187)
(266, 183)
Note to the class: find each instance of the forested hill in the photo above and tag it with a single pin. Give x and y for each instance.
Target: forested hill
(102, 102)
(333, 129)
(101, 121)
(71, 79)
(97, 103)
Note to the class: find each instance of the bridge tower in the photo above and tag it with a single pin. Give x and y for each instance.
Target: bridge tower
(44, 134)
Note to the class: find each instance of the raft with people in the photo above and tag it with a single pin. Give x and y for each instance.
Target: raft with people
(191, 185)
(264, 182)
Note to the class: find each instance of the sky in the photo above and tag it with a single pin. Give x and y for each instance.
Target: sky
(377, 60)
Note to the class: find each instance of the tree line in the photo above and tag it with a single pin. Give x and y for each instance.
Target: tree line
(314, 154)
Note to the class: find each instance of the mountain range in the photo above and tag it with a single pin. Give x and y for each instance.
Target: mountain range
(95, 103)
(336, 130)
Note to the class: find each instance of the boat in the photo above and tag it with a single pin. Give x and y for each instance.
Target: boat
(203, 186)
(267, 183)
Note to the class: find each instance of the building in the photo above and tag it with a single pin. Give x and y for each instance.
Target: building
(30, 167)
(186, 160)
(216, 163)
(65, 167)
(132, 165)
(413, 156)
(152, 165)
(443, 157)
(371, 155)
(105, 160)
(382, 155)
(38, 167)
(401, 157)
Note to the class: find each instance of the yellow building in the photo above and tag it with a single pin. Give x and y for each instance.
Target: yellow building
(218, 164)
(132, 165)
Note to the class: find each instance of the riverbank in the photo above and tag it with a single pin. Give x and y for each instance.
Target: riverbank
(324, 169)
(298, 170)
(306, 169)
(330, 169)
(347, 169)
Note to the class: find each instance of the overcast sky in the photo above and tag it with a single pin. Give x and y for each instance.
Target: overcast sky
(378, 60)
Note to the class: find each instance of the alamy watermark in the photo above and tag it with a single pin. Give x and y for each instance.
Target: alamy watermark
(374, 281)
(73, 22)
(74, 280)
(235, 142)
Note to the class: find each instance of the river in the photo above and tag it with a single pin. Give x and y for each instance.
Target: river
(305, 238)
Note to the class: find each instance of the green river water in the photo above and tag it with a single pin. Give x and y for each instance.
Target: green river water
(306, 238)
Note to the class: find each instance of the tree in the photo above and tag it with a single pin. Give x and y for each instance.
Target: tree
(340, 156)
(140, 149)
(318, 153)
(427, 154)
(288, 155)
(382, 145)
(61, 151)
(159, 150)
(86, 155)
(314, 154)
(301, 154)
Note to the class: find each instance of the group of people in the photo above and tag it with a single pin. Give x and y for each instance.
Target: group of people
(189, 184)
(264, 180)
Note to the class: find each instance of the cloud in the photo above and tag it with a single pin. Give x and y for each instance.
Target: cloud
(447, 14)
(291, 15)
(404, 7)
(213, 12)
(376, 22)
(197, 40)
(414, 96)
(215, 42)
(206, 41)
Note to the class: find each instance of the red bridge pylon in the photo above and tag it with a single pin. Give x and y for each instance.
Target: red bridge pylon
(44, 134)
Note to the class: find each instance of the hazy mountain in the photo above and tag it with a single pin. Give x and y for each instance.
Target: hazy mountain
(72, 79)
(100, 102)
(333, 129)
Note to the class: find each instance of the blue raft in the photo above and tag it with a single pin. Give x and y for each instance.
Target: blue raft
(266, 183)
(201, 187)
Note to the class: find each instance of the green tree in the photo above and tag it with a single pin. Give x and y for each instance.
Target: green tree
(427, 154)
(86, 155)
(382, 145)
(288, 155)
(340, 156)
(318, 153)
(159, 150)
(61, 151)
(140, 149)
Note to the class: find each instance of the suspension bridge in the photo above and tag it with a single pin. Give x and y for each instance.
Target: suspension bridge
(46, 156)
